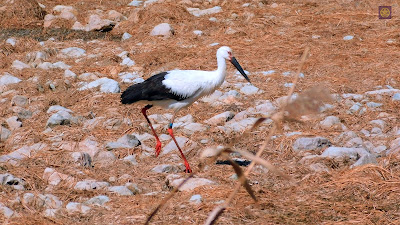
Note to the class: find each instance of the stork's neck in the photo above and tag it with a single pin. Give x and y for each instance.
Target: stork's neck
(221, 70)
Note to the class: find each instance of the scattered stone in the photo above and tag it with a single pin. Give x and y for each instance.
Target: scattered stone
(120, 190)
(174, 180)
(96, 23)
(126, 141)
(7, 79)
(88, 77)
(195, 199)
(54, 178)
(4, 134)
(131, 159)
(127, 62)
(73, 52)
(198, 12)
(133, 188)
(396, 97)
(354, 142)
(11, 41)
(88, 185)
(389, 92)
(106, 85)
(220, 118)
(135, 3)
(374, 104)
(76, 207)
(126, 36)
(266, 109)
(99, 200)
(14, 182)
(380, 123)
(250, 90)
(171, 146)
(329, 122)
(198, 32)
(311, 143)
(61, 117)
(69, 74)
(19, 65)
(58, 108)
(167, 168)
(7, 212)
(319, 167)
(192, 128)
(24, 152)
(19, 100)
(162, 29)
(360, 154)
(14, 123)
(348, 37)
(105, 158)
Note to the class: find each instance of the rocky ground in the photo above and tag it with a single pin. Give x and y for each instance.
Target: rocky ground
(70, 152)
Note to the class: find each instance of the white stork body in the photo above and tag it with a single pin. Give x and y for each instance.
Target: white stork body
(177, 89)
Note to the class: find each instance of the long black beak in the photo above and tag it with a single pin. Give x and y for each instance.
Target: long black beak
(239, 68)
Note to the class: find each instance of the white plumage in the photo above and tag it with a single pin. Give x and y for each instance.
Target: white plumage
(177, 89)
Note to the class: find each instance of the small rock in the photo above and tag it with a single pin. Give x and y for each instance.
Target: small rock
(69, 74)
(24, 152)
(4, 134)
(88, 185)
(14, 123)
(396, 97)
(61, 65)
(162, 29)
(73, 52)
(59, 118)
(19, 100)
(319, 167)
(11, 41)
(7, 212)
(354, 142)
(360, 154)
(195, 199)
(19, 65)
(330, 121)
(274, 5)
(98, 200)
(10, 180)
(57, 108)
(192, 128)
(105, 158)
(133, 188)
(126, 36)
(266, 109)
(374, 104)
(120, 190)
(7, 79)
(348, 37)
(249, 90)
(167, 168)
(76, 207)
(135, 3)
(106, 85)
(389, 92)
(127, 62)
(54, 178)
(311, 143)
(198, 12)
(191, 184)
(96, 23)
(220, 118)
(198, 32)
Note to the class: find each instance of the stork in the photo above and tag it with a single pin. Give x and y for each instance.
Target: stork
(178, 89)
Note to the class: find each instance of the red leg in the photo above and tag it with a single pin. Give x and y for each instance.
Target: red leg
(188, 170)
(158, 145)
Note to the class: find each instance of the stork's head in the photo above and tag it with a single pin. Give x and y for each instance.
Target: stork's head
(227, 54)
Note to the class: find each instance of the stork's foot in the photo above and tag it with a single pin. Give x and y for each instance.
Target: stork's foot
(158, 148)
(187, 170)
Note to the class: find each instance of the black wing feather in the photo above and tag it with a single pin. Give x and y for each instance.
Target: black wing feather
(151, 89)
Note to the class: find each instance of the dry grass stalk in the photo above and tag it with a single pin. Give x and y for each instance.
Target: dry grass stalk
(278, 119)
